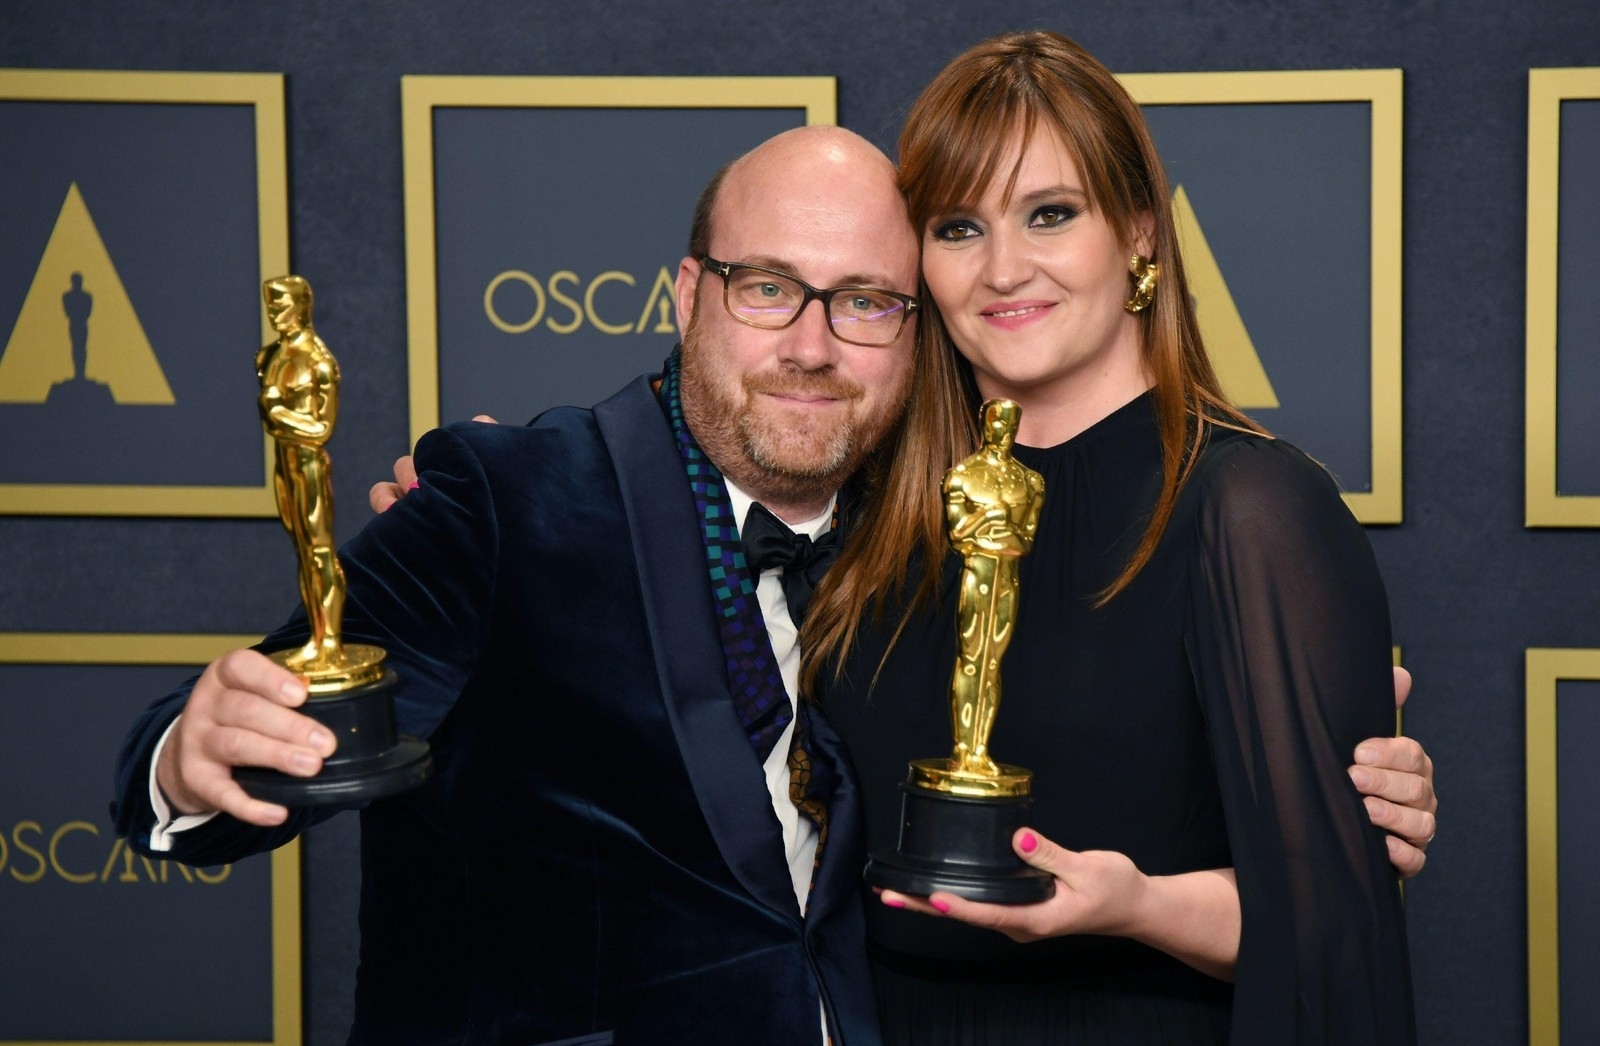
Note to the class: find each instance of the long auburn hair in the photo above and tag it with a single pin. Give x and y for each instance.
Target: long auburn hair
(955, 138)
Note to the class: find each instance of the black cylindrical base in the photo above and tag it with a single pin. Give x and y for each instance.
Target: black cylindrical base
(961, 846)
(371, 762)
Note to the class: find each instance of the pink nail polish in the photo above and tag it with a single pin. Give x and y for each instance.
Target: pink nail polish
(415, 484)
(894, 902)
(943, 906)
(1029, 843)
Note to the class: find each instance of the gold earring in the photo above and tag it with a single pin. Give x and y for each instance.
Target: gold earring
(1145, 272)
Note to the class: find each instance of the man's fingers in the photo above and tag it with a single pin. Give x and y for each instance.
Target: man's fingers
(222, 793)
(256, 673)
(233, 746)
(1407, 859)
(1416, 827)
(1402, 686)
(1405, 788)
(1394, 753)
(249, 713)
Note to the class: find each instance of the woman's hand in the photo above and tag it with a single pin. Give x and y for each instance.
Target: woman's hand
(1193, 917)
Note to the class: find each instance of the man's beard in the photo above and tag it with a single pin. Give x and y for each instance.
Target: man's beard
(766, 454)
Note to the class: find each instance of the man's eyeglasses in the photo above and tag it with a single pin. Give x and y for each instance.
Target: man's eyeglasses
(773, 300)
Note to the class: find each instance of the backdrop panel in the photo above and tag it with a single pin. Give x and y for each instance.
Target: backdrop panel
(105, 946)
(143, 211)
(1563, 715)
(1563, 412)
(1287, 192)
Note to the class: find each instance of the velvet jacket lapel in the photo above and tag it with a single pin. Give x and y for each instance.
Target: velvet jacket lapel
(838, 879)
(722, 766)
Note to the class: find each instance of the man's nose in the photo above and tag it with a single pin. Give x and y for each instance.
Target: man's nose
(810, 343)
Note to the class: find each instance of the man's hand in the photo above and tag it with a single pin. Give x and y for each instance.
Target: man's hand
(1395, 776)
(383, 495)
(240, 713)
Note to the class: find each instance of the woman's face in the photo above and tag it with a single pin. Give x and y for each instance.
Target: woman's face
(1032, 289)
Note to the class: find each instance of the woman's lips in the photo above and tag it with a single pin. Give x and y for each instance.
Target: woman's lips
(1013, 314)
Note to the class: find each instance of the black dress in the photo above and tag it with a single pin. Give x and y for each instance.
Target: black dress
(1203, 718)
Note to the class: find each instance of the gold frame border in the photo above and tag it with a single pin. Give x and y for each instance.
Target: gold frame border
(1543, 506)
(1545, 668)
(95, 648)
(263, 91)
(1383, 90)
(420, 95)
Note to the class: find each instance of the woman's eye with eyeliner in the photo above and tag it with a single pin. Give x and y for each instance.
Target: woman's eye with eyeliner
(1048, 217)
(955, 231)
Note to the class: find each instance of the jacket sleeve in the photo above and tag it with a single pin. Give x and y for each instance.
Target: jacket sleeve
(1289, 641)
(421, 581)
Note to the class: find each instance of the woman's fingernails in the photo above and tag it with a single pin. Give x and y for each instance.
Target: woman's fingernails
(1028, 843)
(415, 484)
(894, 902)
(943, 906)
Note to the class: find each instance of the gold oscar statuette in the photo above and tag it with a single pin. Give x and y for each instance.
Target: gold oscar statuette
(350, 687)
(958, 813)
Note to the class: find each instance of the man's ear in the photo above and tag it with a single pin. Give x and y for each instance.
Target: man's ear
(685, 290)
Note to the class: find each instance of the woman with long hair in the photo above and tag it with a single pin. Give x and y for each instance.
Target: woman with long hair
(1201, 636)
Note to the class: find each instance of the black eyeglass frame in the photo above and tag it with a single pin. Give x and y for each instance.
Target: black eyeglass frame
(727, 269)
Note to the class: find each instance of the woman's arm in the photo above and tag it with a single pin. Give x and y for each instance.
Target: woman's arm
(1290, 646)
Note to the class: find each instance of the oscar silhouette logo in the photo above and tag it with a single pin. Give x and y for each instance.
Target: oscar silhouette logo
(350, 687)
(958, 814)
(100, 357)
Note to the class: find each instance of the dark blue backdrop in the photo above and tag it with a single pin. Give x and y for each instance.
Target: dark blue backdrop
(1470, 587)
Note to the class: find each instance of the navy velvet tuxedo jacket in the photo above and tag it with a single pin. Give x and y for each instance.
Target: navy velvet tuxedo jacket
(597, 855)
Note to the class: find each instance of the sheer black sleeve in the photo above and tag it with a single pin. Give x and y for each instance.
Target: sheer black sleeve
(1289, 642)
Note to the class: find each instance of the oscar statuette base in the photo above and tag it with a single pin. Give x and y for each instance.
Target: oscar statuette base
(371, 762)
(960, 845)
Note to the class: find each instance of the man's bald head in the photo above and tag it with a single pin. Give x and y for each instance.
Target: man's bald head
(800, 152)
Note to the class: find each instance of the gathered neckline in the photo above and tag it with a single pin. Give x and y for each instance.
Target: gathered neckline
(1139, 410)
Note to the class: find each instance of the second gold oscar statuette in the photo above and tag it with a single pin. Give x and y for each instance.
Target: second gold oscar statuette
(958, 814)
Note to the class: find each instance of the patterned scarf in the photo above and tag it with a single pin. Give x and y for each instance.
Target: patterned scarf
(753, 677)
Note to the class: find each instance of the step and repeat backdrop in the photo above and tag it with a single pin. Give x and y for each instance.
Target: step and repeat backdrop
(486, 242)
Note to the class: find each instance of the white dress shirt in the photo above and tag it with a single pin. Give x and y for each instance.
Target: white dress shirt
(799, 834)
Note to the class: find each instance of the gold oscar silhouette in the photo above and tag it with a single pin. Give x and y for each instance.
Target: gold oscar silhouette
(958, 814)
(349, 684)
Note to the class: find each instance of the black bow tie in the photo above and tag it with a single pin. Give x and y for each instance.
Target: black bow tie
(769, 543)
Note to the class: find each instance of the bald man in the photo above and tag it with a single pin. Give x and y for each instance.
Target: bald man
(607, 851)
